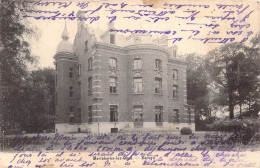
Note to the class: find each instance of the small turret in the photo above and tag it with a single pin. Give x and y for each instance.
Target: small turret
(65, 45)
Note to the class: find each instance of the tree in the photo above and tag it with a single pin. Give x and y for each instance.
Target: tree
(197, 92)
(14, 56)
(235, 70)
(41, 102)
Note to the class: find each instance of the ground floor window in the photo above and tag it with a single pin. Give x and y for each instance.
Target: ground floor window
(158, 115)
(138, 116)
(189, 115)
(72, 119)
(113, 113)
(176, 115)
(90, 116)
(79, 111)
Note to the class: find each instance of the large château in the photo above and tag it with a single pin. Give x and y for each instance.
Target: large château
(111, 83)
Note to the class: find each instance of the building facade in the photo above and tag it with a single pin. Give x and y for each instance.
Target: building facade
(111, 83)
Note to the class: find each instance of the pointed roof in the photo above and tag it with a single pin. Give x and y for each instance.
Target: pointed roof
(65, 45)
(65, 33)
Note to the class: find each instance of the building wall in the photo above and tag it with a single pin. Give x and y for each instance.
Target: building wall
(65, 61)
(125, 98)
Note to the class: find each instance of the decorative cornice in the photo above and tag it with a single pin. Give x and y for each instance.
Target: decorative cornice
(127, 49)
(65, 55)
(110, 47)
(177, 61)
(138, 47)
(147, 47)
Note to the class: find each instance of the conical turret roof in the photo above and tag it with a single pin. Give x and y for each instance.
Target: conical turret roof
(65, 45)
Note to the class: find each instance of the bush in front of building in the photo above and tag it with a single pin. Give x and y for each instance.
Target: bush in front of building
(243, 130)
(186, 131)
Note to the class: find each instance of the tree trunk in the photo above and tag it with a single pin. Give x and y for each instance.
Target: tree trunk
(231, 106)
(231, 111)
(249, 106)
(240, 109)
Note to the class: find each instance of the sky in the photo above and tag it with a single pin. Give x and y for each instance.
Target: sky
(50, 31)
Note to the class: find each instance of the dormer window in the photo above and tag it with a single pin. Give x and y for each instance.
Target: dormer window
(112, 39)
(174, 53)
(137, 40)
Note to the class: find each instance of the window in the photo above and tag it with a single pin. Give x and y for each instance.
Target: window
(71, 109)
(175, 92)
(158, 85)
(113, 113)
(113, 63)
(137, 63)
(79, 111)
(112, 39)
(138, 85)
(112, 84)
(90, 63)
(86, 45)
(174, 53)
(158, 115)
(189, 115)
(175, 74)
(79, 70)
(79, 86)
(71, 91)
(56, 98)
(56, 80)
(90, 116)
(158, 64)
(90, 85)
(137, 40)
(176, 115)
(71, 73)
(138, 115)
(72, 118)
(56, 66)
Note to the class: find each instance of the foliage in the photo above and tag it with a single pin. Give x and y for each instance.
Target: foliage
(244, 129)
(196, 80)
(235, 70)
(186, 131)
(14, 56)
(197, 90)
(41, 102)
(28, 101)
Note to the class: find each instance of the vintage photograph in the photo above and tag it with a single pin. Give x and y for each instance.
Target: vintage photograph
(97, 83)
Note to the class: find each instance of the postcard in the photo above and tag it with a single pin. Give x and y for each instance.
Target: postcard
(140, 83)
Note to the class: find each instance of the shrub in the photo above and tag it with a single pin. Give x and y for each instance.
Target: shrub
(243, 129)
(186, 131)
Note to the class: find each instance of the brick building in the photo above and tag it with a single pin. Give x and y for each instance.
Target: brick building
(115, 83)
